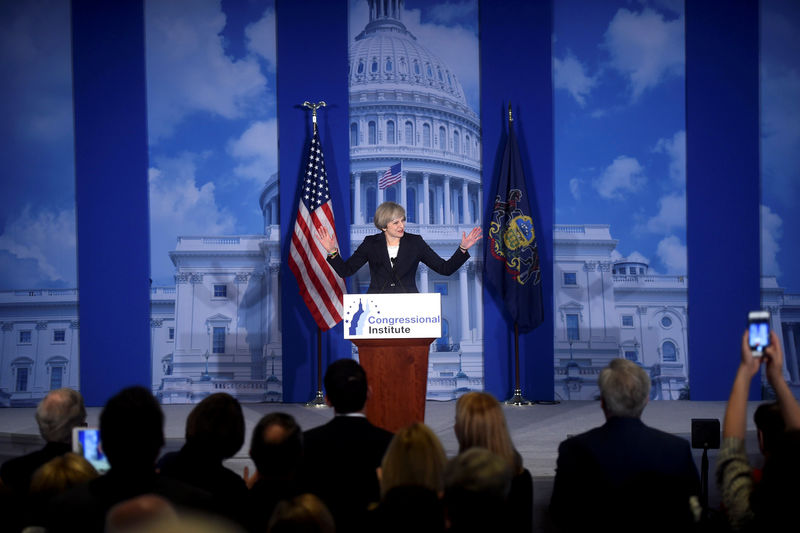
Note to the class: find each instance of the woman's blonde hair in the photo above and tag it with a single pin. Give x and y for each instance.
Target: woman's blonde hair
(62, 473)
(414, 457)
(480, 422)
(386, 212)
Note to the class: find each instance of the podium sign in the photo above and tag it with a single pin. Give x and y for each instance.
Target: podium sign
(393, 333)
(393, 316)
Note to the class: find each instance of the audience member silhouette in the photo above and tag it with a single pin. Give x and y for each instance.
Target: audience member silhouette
(58, 412)
(302, 514)
(139, 513)
(276, 449)
(341, 457)
(624, 475)
(55, 477)
(412, 483)
(769, 428)
(131, 434)
(476, 487)
(480, 422)
(770, 505)
(214, 432)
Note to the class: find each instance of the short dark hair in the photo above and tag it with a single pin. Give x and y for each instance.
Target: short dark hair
(132, 428)
(346, 386)
(217, 425)
(769, 420)
(277, 459)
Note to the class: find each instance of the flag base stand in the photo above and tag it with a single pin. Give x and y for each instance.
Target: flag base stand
(517, 399)
(318, 401)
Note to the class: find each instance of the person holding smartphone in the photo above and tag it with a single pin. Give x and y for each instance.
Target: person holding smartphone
(749, 508)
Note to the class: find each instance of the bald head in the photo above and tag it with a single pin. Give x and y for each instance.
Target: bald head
(139, 512)
(59, 412)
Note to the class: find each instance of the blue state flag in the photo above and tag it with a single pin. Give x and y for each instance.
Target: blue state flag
(512, 256)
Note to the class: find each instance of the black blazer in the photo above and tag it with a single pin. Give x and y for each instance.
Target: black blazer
(340, 459)
(625, 476)
(402, 277)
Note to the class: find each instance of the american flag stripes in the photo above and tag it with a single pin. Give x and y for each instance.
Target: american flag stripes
(392, 175)
(320, 287)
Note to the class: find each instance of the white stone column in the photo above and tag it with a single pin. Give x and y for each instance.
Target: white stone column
(477, 300)
(465, 201)
(448, 216)
(423, 278)
(426, 208)
(274, 330)
(403, 193)
(791, 355)
(358, 216)
(463, 289)
(479, 207)
(379, 193)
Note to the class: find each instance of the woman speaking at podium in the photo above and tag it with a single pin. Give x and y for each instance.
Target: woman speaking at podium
(394, 255)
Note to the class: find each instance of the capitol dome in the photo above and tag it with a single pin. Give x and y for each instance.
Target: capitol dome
(386, 53)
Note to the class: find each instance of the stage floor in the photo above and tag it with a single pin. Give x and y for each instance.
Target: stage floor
(536, 430)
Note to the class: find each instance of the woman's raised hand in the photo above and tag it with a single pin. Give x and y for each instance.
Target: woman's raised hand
(327, 240)
(468, 240)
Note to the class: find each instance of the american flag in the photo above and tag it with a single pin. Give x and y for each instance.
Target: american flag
(390, 177)
(320, 286)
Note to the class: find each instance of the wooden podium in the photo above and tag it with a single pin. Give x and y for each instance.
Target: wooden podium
(397, 373)
(393, 333)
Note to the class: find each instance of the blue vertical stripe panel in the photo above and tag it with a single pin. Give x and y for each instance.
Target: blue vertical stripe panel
(515, 41)
(722, 189)
(108, 57)
(312, 65)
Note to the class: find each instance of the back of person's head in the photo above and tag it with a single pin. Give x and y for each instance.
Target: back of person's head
(624, 388)
(480, 422)
(415, 457)
(776, 495)
(216, 425)
(476, 487)
(346, 386)
(770, 425)
(276, 446)
(139, 514)
(302, 514)
(132, 429)
(61, 474)
(58, 412)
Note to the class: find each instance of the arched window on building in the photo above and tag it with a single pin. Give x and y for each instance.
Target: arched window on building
(388, 65)
(669, 354)
(374, 66)
(372, 132)
(360, 69)
(467, 146)
(473, 204)
(456, 143)
(426, 135)
(409, 133)
(372, 199)
(390, 139)
(429, 71)
(411, 204)
(441, 78)
(353, 134)
(417, 70)
(57, 368)
(442, 138)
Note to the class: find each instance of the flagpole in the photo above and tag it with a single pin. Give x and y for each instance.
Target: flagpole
(319, 398)
(517, 399)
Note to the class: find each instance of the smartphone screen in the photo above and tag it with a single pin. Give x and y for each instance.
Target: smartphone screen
(759, 332)
(86, 442)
